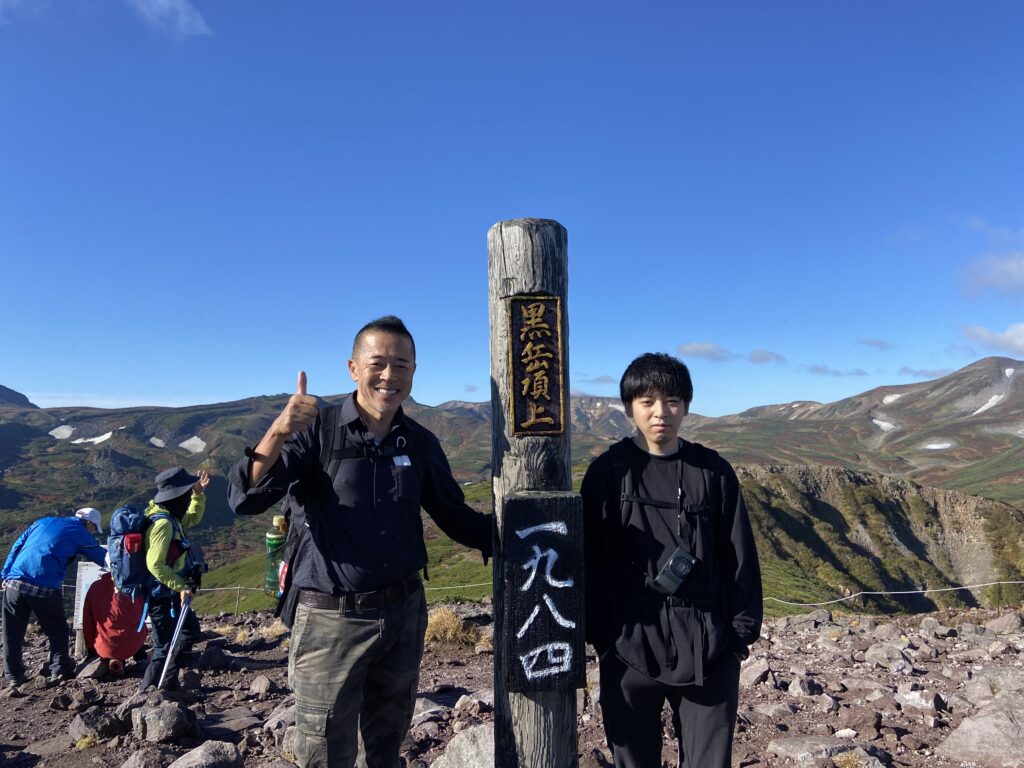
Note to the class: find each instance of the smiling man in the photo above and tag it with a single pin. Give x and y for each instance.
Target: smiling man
(356, 475)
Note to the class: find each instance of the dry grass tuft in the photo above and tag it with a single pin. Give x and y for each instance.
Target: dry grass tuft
(274, 631)
(87, 742)
(446, 628)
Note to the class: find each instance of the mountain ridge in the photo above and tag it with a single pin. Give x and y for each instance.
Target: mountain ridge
(962, 433)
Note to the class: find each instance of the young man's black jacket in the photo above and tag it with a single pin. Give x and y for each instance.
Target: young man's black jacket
(717, 610)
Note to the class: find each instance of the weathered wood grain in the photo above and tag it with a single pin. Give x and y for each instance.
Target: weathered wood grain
(525, 256)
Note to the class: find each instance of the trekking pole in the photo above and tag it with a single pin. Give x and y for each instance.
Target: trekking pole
(175, 640)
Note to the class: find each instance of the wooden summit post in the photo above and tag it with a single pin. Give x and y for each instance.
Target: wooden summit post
(538, 555)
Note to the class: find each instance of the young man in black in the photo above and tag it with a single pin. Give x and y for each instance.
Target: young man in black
(673, 594)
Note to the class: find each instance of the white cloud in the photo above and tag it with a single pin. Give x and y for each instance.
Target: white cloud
(925, 373)
(1002, 274)
(876, 343)
(9, 8)
(762, 356)
(825, 370)
(1010, 340)
(471, 388)
(995, 232)
(706, 350)
(179, 17)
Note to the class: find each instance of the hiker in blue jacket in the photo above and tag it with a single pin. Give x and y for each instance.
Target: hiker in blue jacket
(32, 577)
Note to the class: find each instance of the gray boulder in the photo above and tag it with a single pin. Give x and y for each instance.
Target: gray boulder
(95, 723)
(281, 719)
(755, 672)
(889, 656)
(1008, 622)
(212, 754)
(162, 723)
(814, 750)
(147, 757)
(472, 747)
(994, 737)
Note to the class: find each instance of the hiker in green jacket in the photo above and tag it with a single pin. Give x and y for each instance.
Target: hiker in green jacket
(179, 503)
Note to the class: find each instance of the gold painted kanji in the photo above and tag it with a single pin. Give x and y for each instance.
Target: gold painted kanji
(535, 362)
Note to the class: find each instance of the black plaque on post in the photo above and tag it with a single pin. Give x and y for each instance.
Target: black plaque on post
(543, 572)
(535, 364)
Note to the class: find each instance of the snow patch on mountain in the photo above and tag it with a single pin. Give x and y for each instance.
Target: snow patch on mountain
(95, 440)
(891, 398)
(885, 426)
(937, 446)
(157, 442)
(991, 401)
(63, 432)
(1008, 372)
(193, 445)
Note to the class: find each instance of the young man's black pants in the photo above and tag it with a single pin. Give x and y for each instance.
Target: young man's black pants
(704, 716)
(163, 630)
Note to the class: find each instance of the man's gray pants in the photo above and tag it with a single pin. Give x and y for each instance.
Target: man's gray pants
(355, 674)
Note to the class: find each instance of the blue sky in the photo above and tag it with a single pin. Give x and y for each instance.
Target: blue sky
(804, 200)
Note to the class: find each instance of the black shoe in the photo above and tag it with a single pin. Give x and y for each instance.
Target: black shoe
(149, 677)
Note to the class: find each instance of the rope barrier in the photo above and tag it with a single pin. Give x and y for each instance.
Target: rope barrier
(904, 592)
(239, 589)
(462, 586)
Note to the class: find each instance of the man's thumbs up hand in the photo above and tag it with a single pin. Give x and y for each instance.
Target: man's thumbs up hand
(300, 411)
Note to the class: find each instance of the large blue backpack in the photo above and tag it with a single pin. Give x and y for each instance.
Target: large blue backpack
(126, 549)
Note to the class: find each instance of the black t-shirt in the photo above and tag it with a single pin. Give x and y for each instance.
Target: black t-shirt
(717, 609)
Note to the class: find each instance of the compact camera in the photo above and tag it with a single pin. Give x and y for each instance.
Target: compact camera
(675, 571)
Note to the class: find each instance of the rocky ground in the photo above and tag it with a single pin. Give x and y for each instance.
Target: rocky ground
(937, 690)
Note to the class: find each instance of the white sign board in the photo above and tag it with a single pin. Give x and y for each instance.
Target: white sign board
(87, 574)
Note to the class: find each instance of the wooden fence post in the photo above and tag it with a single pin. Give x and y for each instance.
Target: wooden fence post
(535, 726)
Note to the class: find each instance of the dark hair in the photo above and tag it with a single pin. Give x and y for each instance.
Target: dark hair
(656, 372)
(387, 324)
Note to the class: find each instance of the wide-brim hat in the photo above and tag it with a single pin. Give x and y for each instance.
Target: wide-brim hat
(172, 483)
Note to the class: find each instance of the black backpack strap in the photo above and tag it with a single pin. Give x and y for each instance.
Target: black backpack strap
(621, 467)
(331, 432)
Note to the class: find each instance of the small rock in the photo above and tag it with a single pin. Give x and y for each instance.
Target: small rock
(263, 685)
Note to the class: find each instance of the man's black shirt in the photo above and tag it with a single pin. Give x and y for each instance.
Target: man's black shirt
(365, 529)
